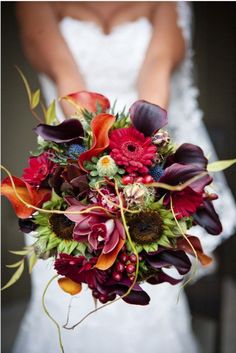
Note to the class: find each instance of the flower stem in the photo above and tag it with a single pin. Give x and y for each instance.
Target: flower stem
(49, 315)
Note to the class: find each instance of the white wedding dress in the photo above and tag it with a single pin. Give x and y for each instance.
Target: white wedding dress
(110, 65)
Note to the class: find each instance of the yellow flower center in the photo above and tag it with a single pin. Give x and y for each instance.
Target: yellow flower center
(105, 161)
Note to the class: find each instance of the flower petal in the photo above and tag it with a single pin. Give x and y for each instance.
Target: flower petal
(137, 295)
(105, 261)
(69, 286)
(184, 245)
(147, 117)
(207, 218)
(188, 153)
(180, 173)
(161, 277)
(27, 192)
(166, 257)
(69, 130)
(100, 126)
(88, 100)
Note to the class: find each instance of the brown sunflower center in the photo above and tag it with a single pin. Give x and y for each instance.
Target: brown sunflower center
(146, 227)
(61, 226)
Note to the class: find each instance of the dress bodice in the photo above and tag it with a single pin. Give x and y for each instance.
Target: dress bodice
(110, 64)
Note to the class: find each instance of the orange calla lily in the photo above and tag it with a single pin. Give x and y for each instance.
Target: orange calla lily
(69, 286)
(105, 261)
(100, 126)
(183, 244)
(88, 100)
(29, 194)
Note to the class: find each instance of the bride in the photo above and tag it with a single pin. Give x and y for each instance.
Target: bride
(126, 51)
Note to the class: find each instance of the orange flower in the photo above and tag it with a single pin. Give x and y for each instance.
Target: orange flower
(30, 195)
(89, 101)
(100, 126)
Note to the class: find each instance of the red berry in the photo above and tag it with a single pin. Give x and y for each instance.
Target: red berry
(130, 268)
(103, 298)
(96, 294)
(116, 276)
(133, 258)
(139, 180)
(147, 179)
(124, 257)
(127, 179)
(112, 296)
(120, 267)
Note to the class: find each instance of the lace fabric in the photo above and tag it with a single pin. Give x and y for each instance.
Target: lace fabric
(110, 65)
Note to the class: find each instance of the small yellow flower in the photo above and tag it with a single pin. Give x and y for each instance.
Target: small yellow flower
(106, 166)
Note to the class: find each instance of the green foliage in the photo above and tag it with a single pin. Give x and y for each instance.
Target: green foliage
(16, 275)
(220, 165)
(35, 99)
(50, 117)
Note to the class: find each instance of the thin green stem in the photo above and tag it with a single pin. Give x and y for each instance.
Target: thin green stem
(49, 315)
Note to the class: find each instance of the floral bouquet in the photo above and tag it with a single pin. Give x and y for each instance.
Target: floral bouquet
(112, 199)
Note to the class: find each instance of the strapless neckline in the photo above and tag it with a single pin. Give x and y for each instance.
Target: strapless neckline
(98, 28)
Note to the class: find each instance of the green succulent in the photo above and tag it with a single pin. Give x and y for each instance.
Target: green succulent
(54, 231)
(153, 227)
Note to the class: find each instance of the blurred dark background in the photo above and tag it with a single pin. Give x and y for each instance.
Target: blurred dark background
(212, 299)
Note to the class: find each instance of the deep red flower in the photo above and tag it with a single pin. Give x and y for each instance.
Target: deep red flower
(99, 230)
(39, 169)
(185, 202)
(131, 149)
(79, 269)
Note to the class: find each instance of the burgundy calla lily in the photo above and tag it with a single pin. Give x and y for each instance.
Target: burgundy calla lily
(207, 218)
(69, 130)
(161, 277)
(164, 257)
(147, 117)
(186, 201)
(188, 153)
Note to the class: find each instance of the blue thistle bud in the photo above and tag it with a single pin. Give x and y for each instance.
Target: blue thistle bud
(156, 172)
(75, 150)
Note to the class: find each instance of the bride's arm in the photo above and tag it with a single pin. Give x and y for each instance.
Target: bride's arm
(165, 52)
(45, 47)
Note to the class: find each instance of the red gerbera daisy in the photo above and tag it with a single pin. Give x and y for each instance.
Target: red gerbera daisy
(131, 149)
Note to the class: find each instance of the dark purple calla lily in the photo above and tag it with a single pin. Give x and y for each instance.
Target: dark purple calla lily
(147, 117)
(207, 218)
(69, 130)
(27, 225)
(188, 153)
(169, 257)
(180, 173)
(161, 277)
(137, 295)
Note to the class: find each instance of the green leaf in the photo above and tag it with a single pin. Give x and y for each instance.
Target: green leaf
(220, 165)
(93, 173)
(27, 87)
(20, 252)
(51, 113)
(16, 264)
(81, 247)
(32, 261)
(55, 197)
(35, 99)
(15, 276)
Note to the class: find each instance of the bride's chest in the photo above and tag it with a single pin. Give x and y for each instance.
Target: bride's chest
(119, 54)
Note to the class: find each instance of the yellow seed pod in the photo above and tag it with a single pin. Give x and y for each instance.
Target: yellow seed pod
(69, 286)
